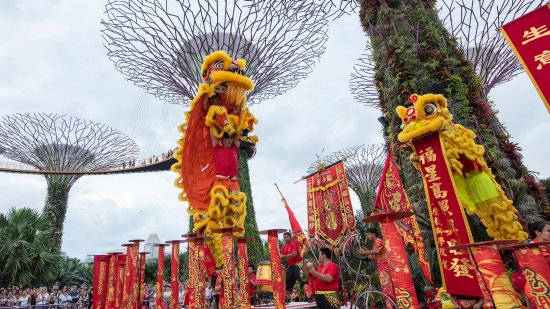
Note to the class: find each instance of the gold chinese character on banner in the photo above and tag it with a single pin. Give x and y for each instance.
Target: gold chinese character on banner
(534, 33)
(431, 173)
(428, 155)
(444, 205)
(461, 267)
(543, 58)
(436, 189)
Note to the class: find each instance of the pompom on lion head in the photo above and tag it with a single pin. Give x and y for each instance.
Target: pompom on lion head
(428, 114)
(219, 68)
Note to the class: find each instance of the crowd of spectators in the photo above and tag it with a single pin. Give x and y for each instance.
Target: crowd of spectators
(151, 160)
(43, 297)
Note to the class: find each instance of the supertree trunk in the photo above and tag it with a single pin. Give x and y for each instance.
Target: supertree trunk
(414, 53)
(255, 250)
(56, 207)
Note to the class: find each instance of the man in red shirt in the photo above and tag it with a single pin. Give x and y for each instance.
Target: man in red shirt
(291, 253)
(327, 281)
(251, 284)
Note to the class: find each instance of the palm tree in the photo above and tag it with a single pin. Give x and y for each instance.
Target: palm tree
(25, 256)
(72, 272)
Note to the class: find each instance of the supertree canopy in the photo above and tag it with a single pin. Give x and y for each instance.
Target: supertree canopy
(58, 143)
(364, 165)
(159, 45)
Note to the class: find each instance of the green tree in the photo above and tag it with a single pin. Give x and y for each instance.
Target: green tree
(25, 254)
(73, 272)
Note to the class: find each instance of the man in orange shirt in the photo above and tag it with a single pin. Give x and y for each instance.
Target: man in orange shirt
(291, 252)
(327, 281)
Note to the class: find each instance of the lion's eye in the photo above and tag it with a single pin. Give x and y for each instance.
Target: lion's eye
(218, 64)
(429, 109)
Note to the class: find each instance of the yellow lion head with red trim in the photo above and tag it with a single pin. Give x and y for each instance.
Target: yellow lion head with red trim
(428, 114)
(219, 68)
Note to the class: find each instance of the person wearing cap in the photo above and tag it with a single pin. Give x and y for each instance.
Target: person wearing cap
(327, 281)
(291, 253)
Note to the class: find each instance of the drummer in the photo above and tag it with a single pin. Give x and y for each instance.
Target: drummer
(291, 253)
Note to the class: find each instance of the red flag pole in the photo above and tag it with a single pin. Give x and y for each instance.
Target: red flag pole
(112, 280)
(101, 270)
(174, 273)
(134, 273)
(142, 260)
(126, 294)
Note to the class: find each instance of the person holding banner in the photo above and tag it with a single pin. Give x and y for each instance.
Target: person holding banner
(327, 281)
(291, 252)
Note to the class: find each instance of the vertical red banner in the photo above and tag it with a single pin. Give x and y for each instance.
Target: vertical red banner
(243, 272)
(134, 274)
(142, 261)
(276, 270)
(228, 272)
(112, 280)
(101, 274)
(174, 274)
(160, 277)
(495, 278)
(536, 271)
(128, 287)
(529, 37)
(193, 268)
(449, 223)
(391, 197)
(120, 281)
(401, 275)
(328, 197)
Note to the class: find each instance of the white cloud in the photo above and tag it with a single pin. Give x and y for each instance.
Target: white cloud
(52, 59)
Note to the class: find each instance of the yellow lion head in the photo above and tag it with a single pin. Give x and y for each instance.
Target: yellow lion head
(218, 67)
(428, 114)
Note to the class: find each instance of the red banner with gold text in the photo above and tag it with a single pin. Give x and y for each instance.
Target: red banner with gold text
(536, 271)
(112, 281)
(142, 259)
(449, 224)
(276, 271)
(120, 281)
(401, 276)
(493, 272)
(243, 272)
(228, 272)
(174, 275)
(330, 214)
(529, 37)
(101, 276)
(391, 197)
(160, 277)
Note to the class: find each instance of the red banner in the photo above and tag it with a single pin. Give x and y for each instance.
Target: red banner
(277, 281)
(228, 272)
(297, 232)
(134, 274)
(529, 37)
(142, 260)
(243, 272)
(160, 277)
(330, 214)
(391, 197)
(536, 271)
(449, 224)
(128, 282)
(101, 276)
(495, 278)
(120, 281)
(401, 276)
(174, 275)
(112, 281)
(195, 284)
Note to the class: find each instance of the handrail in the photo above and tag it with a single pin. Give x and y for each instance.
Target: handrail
(160, 165)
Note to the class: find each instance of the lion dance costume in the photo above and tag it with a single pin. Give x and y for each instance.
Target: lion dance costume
(208, 171)
(477, 189)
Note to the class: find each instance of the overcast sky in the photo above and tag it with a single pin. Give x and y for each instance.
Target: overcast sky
(52, 60)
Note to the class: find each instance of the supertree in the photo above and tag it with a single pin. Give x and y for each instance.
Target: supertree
(159, 46)
(413, 51)
(59, 143)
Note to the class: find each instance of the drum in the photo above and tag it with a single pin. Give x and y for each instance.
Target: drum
(263, 277)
